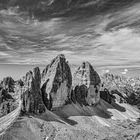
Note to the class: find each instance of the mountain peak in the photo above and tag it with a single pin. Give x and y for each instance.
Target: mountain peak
(56, 82)
(86, 85)
(31, 93)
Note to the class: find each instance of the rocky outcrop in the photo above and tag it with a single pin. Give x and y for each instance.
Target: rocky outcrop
(31, 92)
(7, 102)
(56, 83)
(86, 85)
(107, 96)
(8, 84)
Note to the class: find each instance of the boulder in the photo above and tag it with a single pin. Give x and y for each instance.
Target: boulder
(86, 85)
(56, 83)
(31, 92)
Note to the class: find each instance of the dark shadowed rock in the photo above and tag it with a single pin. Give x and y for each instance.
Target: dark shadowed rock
(7, 99)
(86, 85)
(107, 96)
(31, 93)
(56, 83)
(7, 102)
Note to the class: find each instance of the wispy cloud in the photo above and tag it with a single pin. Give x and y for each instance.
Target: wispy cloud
(3, 54)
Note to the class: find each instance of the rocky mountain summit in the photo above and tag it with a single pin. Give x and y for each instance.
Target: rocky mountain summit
(86, 83)
(56, 83)
(31, 92)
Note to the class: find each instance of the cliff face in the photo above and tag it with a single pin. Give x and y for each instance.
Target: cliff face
(7, 100)
(7, 103)
(31, 93)
(56, 83)
(86, 85)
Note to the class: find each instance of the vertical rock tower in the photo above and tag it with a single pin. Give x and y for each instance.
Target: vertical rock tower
(86, 83)
(31, 93)
(56, 83)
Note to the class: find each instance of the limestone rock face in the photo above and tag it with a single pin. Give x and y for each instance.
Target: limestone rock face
(56, 83)
(31, 92)
(86, 83)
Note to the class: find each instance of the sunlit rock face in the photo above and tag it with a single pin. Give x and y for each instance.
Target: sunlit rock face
(56, 83)
(31, 93)
(86, 85)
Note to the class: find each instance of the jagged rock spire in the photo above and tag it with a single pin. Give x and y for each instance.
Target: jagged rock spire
(56, 82)
(31, 92)
(86, 83)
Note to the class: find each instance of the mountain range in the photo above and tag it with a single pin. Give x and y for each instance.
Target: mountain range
(53, 104)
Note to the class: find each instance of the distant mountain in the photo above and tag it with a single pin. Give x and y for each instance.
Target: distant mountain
(124, 89)
(52, 104)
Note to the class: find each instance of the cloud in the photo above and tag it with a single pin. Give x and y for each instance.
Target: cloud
(124, 73)
(125, 70)
(104, 40)
(3, 54)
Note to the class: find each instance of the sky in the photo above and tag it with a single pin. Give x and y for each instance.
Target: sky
(109, 41)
